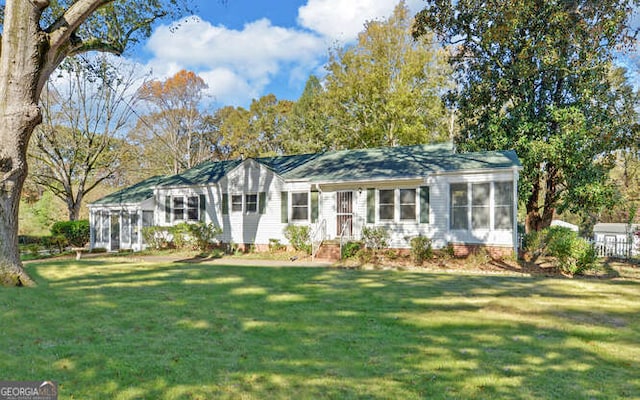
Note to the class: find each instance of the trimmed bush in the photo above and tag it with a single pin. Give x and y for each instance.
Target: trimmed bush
(299, 237)
(350, 249)
(76, 233)
(421, 249)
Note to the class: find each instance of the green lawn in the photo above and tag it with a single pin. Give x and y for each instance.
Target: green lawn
(116, 328)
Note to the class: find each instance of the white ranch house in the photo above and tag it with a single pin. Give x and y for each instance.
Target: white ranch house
(463, 199)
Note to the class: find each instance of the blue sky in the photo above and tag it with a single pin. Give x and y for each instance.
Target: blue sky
(245, 49)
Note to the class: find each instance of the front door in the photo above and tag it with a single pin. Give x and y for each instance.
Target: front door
(344, 213)
(115, 231)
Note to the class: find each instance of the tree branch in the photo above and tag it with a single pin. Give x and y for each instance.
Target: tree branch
(63, 28)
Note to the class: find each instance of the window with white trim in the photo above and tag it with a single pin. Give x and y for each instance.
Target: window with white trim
(236, 203)
(480, 205)
(192, 208)
(503, 205)
(458, 206)
(407, 204)
(300, 206)
(178, 208)
(386, 204)
(251, 202)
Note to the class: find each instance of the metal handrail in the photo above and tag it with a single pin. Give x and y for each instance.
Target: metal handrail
(321, 229)
(342, 229)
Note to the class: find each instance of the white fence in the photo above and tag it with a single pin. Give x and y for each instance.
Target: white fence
(615, 248)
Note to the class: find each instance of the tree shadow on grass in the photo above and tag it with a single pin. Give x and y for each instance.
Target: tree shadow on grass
(201, 331)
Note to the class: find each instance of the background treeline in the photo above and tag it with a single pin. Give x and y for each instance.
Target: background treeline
(509, 77)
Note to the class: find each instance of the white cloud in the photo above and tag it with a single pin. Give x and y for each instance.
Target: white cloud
(236, 64)
(341, 20)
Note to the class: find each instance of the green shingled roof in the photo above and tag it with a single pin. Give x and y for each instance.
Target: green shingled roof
(334, 166)
(202, 174)
(132, 194)
(386, 163)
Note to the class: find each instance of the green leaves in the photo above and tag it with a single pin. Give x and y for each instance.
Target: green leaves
(537, 77)
(386, 90)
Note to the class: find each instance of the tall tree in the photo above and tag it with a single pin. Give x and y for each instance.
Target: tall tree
(37, 35)
(255, 132)
(75, 148)
(177, 121)
(307, 124)
(386, 90)
(538, 77)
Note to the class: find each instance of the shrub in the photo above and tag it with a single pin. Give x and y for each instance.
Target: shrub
(571, 253)
(179, 235)
(275, 246)
(155, 237)
(350, 249)
(298, 236)
(197, 236)
(76, 233)
(375, 238)
(204, 236)
(421, 249)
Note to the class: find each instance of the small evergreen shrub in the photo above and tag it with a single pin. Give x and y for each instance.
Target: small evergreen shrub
(299, 237)
(76, 233)
(421, 249)
(375, 238)
(350, 249)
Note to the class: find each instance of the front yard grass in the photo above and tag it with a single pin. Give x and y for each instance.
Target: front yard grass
(123, 328)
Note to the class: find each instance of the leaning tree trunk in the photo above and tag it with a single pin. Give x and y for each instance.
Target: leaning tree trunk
(21, 59)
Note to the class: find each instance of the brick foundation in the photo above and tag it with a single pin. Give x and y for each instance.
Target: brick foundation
(495, 252)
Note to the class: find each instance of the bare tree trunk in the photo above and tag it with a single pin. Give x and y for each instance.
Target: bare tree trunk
(21, 56)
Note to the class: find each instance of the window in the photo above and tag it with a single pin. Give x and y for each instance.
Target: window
(251, 202)
(126, 228)
(299, 206)
(386, 205)
(135, 230)
(178, 208)
(105, 226)
(459, 202)
(96, 229)
(407, 204)
(503, 205)
(236, 202)
(147, 220)
(371, 206)
(480, 203)
(192, 208)
(482, 207)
